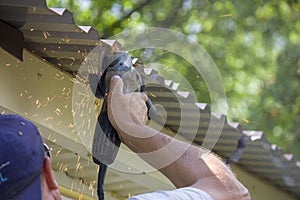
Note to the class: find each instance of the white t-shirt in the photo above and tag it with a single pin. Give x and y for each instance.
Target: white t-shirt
(187, 193)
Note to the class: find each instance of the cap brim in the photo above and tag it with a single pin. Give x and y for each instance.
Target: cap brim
(32, 191)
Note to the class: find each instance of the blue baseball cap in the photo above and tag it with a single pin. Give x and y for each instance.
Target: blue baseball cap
(21, 159)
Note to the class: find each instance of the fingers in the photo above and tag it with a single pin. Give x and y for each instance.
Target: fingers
(116, 85)
(142, 96)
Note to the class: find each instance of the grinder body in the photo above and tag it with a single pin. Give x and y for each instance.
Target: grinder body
(106, 141)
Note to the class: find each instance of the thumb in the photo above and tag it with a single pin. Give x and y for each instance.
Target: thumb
(116, 85)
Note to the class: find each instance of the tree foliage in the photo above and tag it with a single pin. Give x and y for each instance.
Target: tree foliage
(255, 44)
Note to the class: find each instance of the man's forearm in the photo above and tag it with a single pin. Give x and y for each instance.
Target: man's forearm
(182, 163)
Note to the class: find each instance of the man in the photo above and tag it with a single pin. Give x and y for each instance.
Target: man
(25, 167)
(26, 171)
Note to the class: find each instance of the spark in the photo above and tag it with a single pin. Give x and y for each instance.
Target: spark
(69, 91)
(39, 105)
(67, 39)
(35, 115)
(58, 152)
(91, 186)
(246, 121)
(71, 125)
(77, 167)
(83, 122)
(60, 167)
(152, 94)
(226, 15)
(48, 118)
(89, 123)
(58, 111)
(78, 158)
(74, 80)
(51, 99)
(46, 34)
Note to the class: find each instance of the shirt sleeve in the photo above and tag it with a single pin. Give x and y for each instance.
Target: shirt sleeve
(187, 193)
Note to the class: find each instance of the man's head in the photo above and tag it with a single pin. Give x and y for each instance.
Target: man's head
(24, 166)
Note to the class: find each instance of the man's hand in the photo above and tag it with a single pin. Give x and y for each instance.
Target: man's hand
(126, 111)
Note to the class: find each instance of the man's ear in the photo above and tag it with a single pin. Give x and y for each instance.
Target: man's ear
(49, 176)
